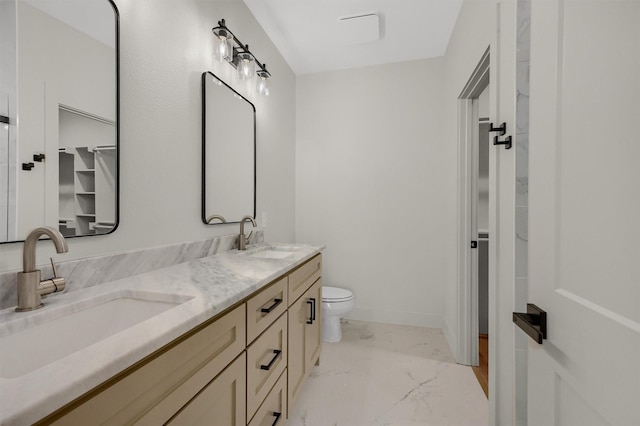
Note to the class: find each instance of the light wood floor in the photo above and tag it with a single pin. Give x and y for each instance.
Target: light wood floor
(482, 371)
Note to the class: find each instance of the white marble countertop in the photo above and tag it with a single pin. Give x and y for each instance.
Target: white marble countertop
(210, 285)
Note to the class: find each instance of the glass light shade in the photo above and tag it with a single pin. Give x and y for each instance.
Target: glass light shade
(223, 46)
(262, 85)
(246, 65)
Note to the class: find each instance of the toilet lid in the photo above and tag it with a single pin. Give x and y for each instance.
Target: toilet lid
(335, 294)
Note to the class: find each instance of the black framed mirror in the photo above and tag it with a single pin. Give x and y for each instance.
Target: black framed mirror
(60, 91)
(228, 153)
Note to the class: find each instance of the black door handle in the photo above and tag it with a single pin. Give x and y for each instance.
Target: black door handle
(312, 315)
(276, 302)
(313, 310)
(277, 416)
(276, 355)
(534, 322)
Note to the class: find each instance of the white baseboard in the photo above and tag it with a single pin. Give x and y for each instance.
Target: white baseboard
(451, 338)
(397, 317)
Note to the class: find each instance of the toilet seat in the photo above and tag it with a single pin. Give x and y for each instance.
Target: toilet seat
(335, 294)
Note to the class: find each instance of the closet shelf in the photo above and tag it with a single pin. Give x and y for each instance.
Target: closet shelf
(103, 226)
(104, 148)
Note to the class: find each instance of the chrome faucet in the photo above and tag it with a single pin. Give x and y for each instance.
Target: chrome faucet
(30, 287)
(243, 239)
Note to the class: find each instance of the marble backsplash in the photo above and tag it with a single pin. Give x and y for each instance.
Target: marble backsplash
(82, 273)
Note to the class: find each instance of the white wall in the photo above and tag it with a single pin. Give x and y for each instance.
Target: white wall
(470, 39)
(369, 170)
(165, 47)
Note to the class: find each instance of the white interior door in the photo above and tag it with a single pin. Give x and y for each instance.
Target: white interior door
(584, 217)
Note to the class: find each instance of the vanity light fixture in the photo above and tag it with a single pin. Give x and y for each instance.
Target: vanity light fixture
(223, 44)
(227, 48)
(245, 65)
(262, 86)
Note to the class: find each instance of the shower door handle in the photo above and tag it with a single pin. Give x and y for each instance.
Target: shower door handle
(533, 322)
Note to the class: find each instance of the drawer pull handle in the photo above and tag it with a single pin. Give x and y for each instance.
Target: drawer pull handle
(268, 310)
(277, 416)
(312, 312)
(276, 355)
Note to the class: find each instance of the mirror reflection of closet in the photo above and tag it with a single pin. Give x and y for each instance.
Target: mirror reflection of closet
(87, 173)
(58, 71)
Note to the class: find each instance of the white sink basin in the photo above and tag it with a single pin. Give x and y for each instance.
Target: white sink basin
(275, 252)
(29, 343)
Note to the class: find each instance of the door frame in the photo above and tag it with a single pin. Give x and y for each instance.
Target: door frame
(467, 336)
(502, 95)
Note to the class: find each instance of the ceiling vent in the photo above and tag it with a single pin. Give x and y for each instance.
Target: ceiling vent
(360, 29)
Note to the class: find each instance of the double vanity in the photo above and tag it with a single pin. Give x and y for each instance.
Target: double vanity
(227, 339)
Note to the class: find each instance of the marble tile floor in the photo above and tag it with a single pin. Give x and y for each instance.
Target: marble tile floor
(389, 375)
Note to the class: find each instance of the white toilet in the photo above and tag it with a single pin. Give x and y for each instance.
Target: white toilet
(336, 303)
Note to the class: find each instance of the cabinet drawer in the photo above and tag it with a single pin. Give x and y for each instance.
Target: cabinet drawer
(221, 403)
(266, 360)
(265, 307)
(273, 410)
(151, 394)
(303, 277)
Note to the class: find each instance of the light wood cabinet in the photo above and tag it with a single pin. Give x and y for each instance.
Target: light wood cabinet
(155, 390)
(273, 410)
(220, 403)
(244, 367)
(303, 277)
(265, 307)
(266, 360)
(313, 335)
(305, 338)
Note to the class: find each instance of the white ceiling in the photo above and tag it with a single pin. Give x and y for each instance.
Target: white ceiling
(312, 39)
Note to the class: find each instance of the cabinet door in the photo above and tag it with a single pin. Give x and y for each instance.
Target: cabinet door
(304, 338)
(221, 402)
(313, 335)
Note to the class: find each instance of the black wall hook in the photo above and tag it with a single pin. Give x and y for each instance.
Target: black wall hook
(38, 157)
(4, 119)
(501, 128)
(27, 166)
(506, 142)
